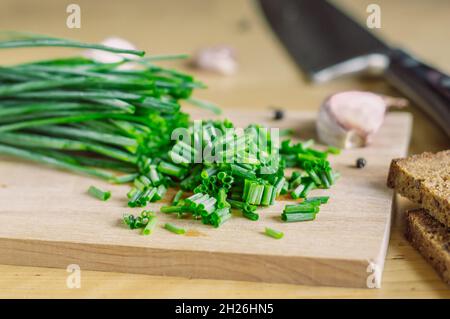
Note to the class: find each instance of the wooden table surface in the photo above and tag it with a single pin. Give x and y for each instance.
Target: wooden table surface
(266, 78)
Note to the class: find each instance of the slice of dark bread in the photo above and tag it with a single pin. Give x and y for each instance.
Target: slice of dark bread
(424, 179)
(431, 239)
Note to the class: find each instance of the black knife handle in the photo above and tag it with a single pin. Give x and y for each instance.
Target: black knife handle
(423, 84)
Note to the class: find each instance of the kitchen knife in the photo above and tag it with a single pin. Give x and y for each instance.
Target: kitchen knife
(327, 44)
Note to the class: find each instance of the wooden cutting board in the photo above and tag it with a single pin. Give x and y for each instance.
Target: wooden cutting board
(47, 219)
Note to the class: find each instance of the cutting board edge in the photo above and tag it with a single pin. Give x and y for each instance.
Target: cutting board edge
(302, 270)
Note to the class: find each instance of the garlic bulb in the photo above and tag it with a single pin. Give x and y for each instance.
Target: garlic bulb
(350, 119)
(219, 59)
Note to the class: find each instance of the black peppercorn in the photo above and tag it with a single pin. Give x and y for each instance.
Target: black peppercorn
(278, 114)
(360, 162)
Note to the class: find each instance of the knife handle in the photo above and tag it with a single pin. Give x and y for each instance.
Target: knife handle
(426, 86)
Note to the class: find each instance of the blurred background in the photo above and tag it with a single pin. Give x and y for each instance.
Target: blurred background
(267, 76)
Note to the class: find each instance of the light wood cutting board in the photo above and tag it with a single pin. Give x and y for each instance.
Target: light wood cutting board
(47, 219)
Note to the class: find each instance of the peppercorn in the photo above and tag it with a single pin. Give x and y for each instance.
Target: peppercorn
(278, 114)
(361, 162)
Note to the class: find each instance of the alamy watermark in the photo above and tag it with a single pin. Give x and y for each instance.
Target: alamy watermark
(73, 280)
(73, 20)
(373, 279)
(374, 18)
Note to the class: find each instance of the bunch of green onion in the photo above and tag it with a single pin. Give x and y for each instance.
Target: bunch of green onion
(98, 119)
(86, 116)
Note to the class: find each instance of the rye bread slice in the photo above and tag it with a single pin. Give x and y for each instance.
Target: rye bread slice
(431, 239)
(425, 180)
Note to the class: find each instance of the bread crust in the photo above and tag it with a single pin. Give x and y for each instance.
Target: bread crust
(431, 239)
(425, 180)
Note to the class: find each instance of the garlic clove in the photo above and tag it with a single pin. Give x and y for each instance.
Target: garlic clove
(219, 59)
(351, 119)
(111, 57)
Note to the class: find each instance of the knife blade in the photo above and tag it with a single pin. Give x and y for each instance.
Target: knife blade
(326, 44)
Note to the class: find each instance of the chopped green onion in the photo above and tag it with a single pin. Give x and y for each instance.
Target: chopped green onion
(279, 184)
(313, 175)
(297, 191)
(317, 200)
(170, 169)
(255, 194)
(98, 193)
(274, 233)
(296, 180)
(174, 229)
(134, 198)
(242, 172)
(236, 204)
(221, 175)
(222, 198)
(154, 175)
(250, 215)
(173, 209)
(132, 192)
(249, 208)
(139, 185)
(266, 199)
(220, 216)
(284, 189)
(148, 229)
(301, 208)
(298, 217)
(177, 197)
(160, 192)
(307, 189)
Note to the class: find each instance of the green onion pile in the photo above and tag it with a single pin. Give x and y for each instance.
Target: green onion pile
(101, 120)
(242, 174)
(145, 221)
